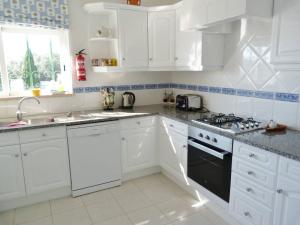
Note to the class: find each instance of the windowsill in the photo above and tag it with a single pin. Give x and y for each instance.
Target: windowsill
(42, 96)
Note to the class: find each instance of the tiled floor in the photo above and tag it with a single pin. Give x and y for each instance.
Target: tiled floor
(152, 200)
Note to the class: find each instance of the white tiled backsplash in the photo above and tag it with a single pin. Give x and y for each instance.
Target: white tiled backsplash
(248, 67)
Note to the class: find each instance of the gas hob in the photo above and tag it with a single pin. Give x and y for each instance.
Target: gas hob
(229, 123)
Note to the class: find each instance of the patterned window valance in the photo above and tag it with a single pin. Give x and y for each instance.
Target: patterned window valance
(48, 13)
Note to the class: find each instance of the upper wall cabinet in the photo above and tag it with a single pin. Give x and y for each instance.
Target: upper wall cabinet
(161, 38)
(201, 14)
(133, 33)
(286, 34)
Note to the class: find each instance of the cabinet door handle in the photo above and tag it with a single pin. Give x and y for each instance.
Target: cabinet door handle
(25, 154)
(139, 123)
(171, 125)
(123, 139)
(251, 173)
(279, 191)
(184, 146)
(123, 59)
(17, 155)
(44, 135)
(252, 155)
(176, 58)
(247, 214)
(249, 190)
(150, 59)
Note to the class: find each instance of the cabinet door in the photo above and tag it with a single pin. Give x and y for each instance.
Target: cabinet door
(216, 10)
(286, 33)
(287, 203)
(161, 38)
(138, 149)
(133, 38)
(236, 8)
(194, 14)
(11, 173)
(46, 165)
(188, 46)
(173, 152)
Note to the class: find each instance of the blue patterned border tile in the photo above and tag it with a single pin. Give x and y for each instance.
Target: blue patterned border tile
(192, 87)
(138, 87)
(229, 91)
(286, 97)
(163, 86)
(92, 89)
(215, 89)
(203, 88)
(245, 93)
(182, 86)
(151, 86)
(264, 94)
(78, 90)
(123, 88)
(174, 85)
(110, 87)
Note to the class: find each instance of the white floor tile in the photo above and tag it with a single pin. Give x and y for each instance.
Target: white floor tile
(7, 218)
(133, 202)
(121, 220)
(148, 216)
(65, 204)
(97, 197)
(77, 216)
(125, 189)
(32, 213)
(149, 181)
(161, 194)
(195, 219)
(43, 221)
(104, 211)
(214, 218)
(177, 209)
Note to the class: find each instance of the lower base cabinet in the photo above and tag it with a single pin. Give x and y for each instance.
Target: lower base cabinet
(46, 165)
(138, 149)
(11, 173)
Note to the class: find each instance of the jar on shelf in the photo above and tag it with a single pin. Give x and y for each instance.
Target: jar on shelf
(134, 2)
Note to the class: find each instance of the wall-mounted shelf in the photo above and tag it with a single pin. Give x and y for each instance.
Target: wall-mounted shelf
(107, 69)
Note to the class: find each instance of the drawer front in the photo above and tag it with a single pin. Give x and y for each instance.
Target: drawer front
(256, 192)
(289, 168)
(138, 122)
(42, 134)
(9, 138)
(247, 211)
(254, 173)
(173, 125)
(91, 130)
(256, 156)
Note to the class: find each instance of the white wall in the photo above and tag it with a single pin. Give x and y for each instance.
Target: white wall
(248, 67)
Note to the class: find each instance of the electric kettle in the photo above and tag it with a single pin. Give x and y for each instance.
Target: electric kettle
(128, 100)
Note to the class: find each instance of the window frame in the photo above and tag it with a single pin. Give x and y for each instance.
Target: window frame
(65, 57)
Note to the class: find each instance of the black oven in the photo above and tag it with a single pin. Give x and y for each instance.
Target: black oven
(210, 166)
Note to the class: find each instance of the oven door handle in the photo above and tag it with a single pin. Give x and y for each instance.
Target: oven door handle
(219, 155)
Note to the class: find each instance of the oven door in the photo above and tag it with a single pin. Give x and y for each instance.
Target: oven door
(210, 167)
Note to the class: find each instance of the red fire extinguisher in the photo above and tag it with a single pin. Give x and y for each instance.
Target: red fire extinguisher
(80, 65)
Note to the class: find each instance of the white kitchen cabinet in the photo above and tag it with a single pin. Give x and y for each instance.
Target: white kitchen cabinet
(286, 34)
(46, 165)
(133, 33)
(287, 202)
(162, 39)
(173, 148)
(138, 149)
(201, 14)
(11, 173)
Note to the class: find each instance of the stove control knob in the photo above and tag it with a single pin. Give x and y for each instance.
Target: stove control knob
(215, 140)
(207, 137)
(247, 126)
(252, 125)
(242, 127)
(256, 124)
(201, 135)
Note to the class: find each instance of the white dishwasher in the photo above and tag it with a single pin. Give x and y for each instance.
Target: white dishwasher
(95, 157)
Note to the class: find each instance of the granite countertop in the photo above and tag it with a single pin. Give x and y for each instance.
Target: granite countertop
(285, 144)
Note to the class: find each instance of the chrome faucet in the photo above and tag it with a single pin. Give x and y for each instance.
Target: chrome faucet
(19, 112)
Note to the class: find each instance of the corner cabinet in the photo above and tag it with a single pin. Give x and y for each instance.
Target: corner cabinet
(286, 35)
(11, 173)
(161, 39)
(133, 33)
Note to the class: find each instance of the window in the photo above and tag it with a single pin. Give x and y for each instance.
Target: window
(34, 58)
